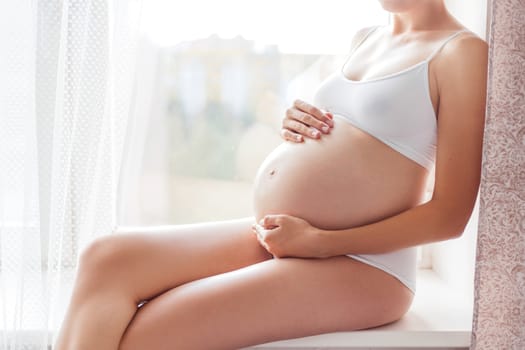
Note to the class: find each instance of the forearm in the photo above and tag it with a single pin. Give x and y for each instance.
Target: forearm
(429, 222)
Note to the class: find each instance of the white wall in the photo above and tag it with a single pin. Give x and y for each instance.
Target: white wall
(472, 13)
(454, 260)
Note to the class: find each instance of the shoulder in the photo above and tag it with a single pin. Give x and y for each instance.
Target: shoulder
(360, 35)
(464, 55)
(466, 46)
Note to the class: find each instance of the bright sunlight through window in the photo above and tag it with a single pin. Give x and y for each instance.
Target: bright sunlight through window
(215, 79)
(300, 27)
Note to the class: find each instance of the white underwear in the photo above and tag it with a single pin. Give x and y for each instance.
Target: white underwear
(400, 263)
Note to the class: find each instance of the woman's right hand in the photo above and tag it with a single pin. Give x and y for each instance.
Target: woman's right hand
(304, 120)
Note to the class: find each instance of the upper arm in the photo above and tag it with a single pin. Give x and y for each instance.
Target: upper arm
(462, 78)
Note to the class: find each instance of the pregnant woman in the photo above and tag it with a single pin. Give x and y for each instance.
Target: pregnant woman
(339, 208)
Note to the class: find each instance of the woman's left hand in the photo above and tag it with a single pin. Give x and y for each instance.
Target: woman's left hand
(288, 236)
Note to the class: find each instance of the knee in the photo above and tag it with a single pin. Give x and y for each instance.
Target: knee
(98, 253)
(103, 260)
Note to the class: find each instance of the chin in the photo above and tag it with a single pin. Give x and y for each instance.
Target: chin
(396, 6)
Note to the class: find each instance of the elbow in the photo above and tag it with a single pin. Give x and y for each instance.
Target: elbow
(450, 229)
(461, 220)
(455, 231)
(452, 222)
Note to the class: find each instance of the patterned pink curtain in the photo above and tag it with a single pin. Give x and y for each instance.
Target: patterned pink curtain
(499, 310)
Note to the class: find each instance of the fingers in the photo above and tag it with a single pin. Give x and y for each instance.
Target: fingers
(305, 120)
(308, 120)
(259, 229)
(311, 110)
(301, 129)
(291, 136)
(268, 229)
(305, 116)
(266, 224)
(272, 221)
(260, 233)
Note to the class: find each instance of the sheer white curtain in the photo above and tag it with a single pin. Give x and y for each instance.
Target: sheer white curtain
(66, 84)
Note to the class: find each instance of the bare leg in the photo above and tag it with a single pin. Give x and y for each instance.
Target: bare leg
(117, 272)
(272, 300)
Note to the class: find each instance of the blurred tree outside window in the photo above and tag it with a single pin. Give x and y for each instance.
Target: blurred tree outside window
(219, 86)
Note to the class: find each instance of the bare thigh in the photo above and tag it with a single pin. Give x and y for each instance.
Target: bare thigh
(147, 261)
(268, 301)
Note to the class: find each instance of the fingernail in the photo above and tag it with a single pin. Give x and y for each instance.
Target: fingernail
(325, 129)
(298, 137)
(315, 133)
(329, 115)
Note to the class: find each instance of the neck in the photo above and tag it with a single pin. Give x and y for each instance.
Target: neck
(427, 15)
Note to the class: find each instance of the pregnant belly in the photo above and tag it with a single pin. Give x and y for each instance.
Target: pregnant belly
(347, 178)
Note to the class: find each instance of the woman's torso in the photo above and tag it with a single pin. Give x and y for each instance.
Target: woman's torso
(349, 177)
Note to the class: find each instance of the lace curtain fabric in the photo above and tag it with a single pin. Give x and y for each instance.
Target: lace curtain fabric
(67, 71)
(499, 309)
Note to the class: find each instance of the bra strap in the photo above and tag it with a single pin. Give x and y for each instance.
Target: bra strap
(436, 51)
(363, 39)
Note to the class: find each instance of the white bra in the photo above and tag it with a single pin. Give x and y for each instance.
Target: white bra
(395, 108)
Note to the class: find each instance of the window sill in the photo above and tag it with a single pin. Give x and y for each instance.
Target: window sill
(440, 317)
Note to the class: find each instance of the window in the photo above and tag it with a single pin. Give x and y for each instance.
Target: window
(211, 82)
